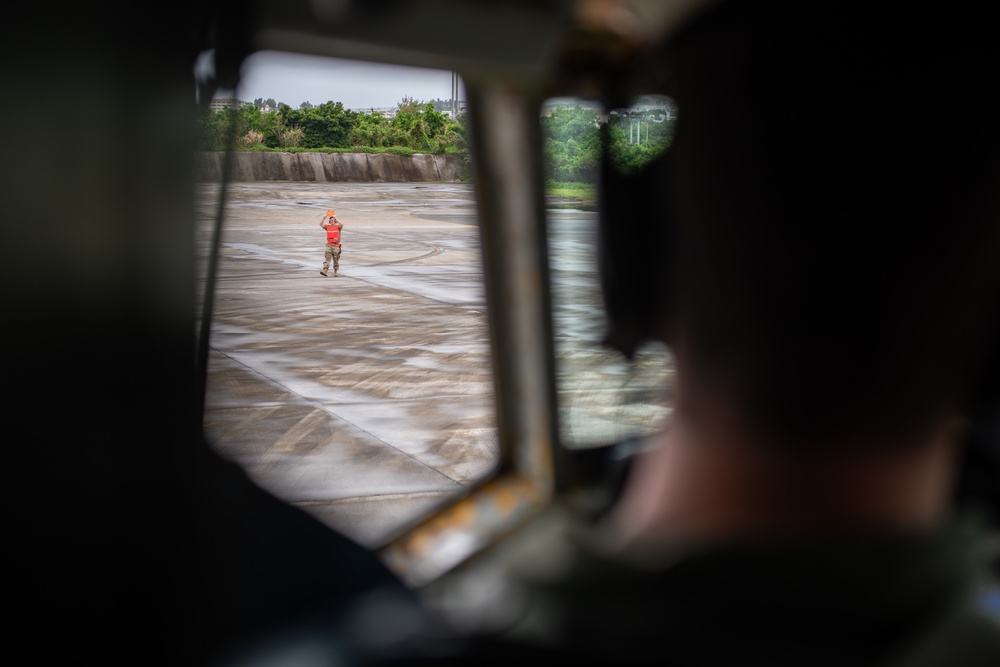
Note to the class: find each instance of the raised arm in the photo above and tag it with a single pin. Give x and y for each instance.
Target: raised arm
(330, 215)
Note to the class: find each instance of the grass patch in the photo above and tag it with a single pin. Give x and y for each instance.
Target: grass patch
(585, 193)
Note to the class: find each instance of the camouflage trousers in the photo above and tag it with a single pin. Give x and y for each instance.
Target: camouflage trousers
(332, 255)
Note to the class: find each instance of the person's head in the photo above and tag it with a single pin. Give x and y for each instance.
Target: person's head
(829, 219)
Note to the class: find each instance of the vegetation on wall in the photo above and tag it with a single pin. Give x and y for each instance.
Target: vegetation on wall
(572, 135)
(573, 144)
(417, 126)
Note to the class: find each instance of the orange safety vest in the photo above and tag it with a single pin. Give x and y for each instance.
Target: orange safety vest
(333, 234)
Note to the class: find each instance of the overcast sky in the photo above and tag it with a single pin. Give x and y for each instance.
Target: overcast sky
(294, 79)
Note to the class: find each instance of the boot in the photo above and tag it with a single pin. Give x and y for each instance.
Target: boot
(336, 272)
(323, 272)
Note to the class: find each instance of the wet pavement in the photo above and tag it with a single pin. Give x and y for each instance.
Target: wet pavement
(367, 399)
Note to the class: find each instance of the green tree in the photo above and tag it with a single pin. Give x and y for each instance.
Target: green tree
(435, 120)
(572, 144)
(573, 141)
(441, 105)
(417, 126)
(325, 126)
(273, 130)
(452, 137)
(408, 105)
(216, 127)
(636, 138)
(408, 127)
(249, 116)
(421, 127)
(370, 130)
(212, 130)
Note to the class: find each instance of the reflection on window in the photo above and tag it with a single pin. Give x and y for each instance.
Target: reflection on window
(603, 398)
(365, 398)
(641, 132)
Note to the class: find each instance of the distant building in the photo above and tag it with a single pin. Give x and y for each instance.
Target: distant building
(463, 108)
(385, 112)
(553, 103)
(225, 103)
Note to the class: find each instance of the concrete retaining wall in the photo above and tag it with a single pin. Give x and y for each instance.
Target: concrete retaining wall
(329, 167)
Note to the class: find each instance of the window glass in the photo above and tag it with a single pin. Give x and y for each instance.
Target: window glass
(603, 397)
(365, 395)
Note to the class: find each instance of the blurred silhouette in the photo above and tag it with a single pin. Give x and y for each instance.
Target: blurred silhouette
(820, 250)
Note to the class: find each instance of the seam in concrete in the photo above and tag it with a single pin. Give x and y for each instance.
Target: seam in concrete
(323, 408)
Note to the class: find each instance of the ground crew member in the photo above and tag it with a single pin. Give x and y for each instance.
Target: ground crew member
(332, 224)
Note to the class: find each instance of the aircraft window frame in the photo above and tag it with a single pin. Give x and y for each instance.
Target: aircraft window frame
(511, 208)
(510, 203)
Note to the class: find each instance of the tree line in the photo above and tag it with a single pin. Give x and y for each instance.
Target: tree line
(574, 137)
(416, 127)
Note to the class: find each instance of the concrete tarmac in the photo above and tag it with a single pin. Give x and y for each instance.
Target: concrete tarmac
(365, 399)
